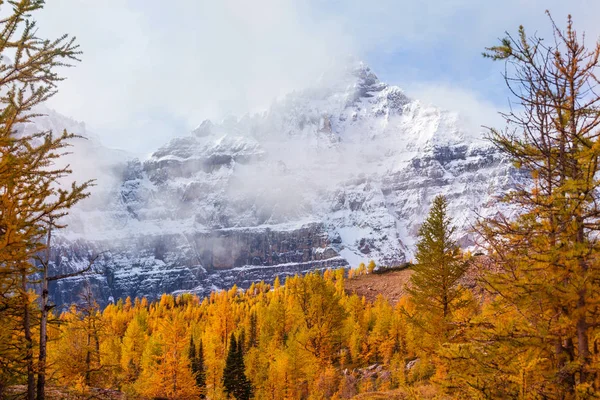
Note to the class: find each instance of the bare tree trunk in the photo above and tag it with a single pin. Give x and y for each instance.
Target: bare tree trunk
(88, 359)
(45, 308)
(583, 344)
(92, 356)
(28, 339)
(41, 382)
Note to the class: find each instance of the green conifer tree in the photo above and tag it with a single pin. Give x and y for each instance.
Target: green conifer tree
(253, 330)
(199, 369)
(235, 382)
(439, 263)
(230, 373)
(197, 364)
(192, 350)
(243, 389)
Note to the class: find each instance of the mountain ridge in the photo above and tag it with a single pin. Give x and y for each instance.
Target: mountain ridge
(330, 176)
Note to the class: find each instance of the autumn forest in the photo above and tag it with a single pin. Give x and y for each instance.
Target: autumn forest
(514, 316)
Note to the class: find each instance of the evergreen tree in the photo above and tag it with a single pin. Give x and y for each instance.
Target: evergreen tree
(241, 343)
(197, 364)
(253, 333)
(230, 373)
(199, 369)
(235, 382)
(192, 352)
(439, 267)
(244, 387)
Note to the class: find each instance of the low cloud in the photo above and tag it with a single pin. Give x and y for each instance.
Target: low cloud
(477, 113)
(153, 70)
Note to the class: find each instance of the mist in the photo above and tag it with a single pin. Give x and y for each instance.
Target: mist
(156, 71)
(152, 71)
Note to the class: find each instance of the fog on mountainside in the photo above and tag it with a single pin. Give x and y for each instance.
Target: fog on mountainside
(336, 174)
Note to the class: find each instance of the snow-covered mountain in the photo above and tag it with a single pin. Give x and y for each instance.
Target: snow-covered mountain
(333, 175)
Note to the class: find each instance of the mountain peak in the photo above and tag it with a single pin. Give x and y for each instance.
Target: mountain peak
(204, 129)
(336, 174)
(364, 74)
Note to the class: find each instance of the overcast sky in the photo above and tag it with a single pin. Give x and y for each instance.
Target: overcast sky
(155, 69)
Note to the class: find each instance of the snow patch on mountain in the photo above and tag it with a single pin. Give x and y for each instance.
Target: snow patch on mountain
(340, 173)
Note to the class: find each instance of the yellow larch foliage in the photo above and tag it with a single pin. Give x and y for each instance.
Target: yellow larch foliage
(166, 369)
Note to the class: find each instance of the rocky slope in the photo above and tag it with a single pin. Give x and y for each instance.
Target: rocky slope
(333, 175)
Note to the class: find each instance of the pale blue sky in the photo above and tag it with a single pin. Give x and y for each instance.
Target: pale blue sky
(155, 69)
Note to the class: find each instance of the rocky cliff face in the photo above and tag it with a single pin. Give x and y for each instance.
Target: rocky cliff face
(330, 176)
(148, 265)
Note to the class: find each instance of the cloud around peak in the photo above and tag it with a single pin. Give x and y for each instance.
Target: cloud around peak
(153, 70)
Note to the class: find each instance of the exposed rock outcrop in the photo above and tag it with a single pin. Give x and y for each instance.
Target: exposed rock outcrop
(334, 175)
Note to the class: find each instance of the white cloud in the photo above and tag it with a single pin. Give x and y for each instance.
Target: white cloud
(154, 69)
(154, 64)
(478, 113)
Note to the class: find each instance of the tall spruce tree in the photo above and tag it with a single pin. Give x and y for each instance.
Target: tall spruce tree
(253, 330)
(31, 200)
(244, 387)
(439, 263)
(230, 373)
(235, 382)
(197, 364)
(192, 357)
(192, 352)
(199, 369)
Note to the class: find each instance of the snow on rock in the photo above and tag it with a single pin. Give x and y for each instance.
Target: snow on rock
(334, 175)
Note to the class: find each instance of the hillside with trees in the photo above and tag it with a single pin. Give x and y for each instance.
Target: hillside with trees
(519, 320)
